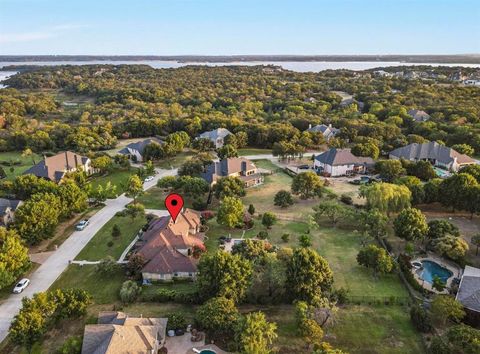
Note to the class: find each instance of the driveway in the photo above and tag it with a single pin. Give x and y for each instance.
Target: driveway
(58, 261)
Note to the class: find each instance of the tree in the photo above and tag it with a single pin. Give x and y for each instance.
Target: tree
(129, 291)
(14, 259)
(411, 225)
(194, 187)
(305, 240)
(134, 187)
(308, 275)
(72, 197)
(441, 228)
(421, 319)
(368, 149)
(375, 258)
(107, 266)
(230, 212)
(445, 308)
(455, 191)
(307, 185)
(387, 198)
(332, 210)
(283, 199)
(251, 209)
(450, 246)
(464, 149)
(421, 169)
(268, 280)
(475, 240)
(72, 345)
(203, 144)
(253, 250)
(227, 151)
(102, 163)
(374, 223)
(472, 170)
(149, 168)
(415, 186)
(25, 186)
(438, 284)
(458, 339)
(389, 169)
(116, 232)
(229, 187)
(431, 190)
(268, 219)
(255, 334)
(217, 316)
(307, 327)
(135, 264)
(135, 210)
(176, 320)
(101, 194)
(223, 274)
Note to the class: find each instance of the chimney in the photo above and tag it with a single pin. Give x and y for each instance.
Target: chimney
(76, 160)
(66, 160)
(330, 125)
(310, 126)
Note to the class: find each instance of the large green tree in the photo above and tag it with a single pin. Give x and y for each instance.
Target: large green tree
(217, 316)
(254, 334)
(385, 197)
(14, 259)
(411, 225)
(230, 213)
(375, 258)
(229, 187)
(307, 185)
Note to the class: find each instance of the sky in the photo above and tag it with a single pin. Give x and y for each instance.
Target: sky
(239, 27)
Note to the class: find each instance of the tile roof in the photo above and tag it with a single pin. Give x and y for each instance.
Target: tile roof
(54, 167)
(336, 157)
(227, 167)
(469, 289)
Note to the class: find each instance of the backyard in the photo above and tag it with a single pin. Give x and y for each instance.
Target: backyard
(14, 160)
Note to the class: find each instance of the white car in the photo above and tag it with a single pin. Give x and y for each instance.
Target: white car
(148, 179)
(82, 224)
(21, 285)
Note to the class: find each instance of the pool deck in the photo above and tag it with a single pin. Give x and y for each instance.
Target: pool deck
(451, 266)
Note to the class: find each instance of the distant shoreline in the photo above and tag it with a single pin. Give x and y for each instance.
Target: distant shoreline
(441, 59)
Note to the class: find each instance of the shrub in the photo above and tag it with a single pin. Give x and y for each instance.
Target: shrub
(199, 204)
(116, 231)
(110, 243)
(207, 214)
(176, 321)
(421, 319)
(72, 345)
(346, 199)
(305, 240)
(262, 235)
(286, 237)
(129, 291)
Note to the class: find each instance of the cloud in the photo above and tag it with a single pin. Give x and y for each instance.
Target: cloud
(50, 32)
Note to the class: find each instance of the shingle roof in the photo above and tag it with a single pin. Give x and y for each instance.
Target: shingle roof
(215, 134)
(139, 146)
(54, 167)
(469, 289)
(324, 129)
(431, 150)
(336, 157)
(418, 115)
(226, 167)
(8, 203)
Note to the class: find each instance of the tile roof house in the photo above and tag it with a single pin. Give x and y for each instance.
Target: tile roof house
(135, 150)
(7, 210)
(233, 167)
(341, 162)
(217, 136)
(327, 130)
(54, 168)
(118, 333)
(167, 247)
(438, 155)
(468, 293)
(418, 116)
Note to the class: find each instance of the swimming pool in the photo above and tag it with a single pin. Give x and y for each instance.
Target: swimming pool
(207, 351)
(431, 269)
(441, 173)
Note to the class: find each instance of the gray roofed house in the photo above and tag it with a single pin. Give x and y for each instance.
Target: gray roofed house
(233, 167)
(217, 136)
(468, 293)
(418, 116)
(438, 155)
(341, 162)
(7, 210)
(327, 130)
(135, 150)
(349, 101)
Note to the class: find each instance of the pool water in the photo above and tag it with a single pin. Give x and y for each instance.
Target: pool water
(207, 351)
(441, 173)
(432, 269)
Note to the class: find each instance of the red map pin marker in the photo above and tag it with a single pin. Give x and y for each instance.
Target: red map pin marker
(174, 204)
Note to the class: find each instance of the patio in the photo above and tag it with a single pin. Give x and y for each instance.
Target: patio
(451, 266)
(184, 345)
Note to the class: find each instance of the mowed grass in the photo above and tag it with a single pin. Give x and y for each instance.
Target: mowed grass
(175, 161)
(98, 247)
(154, 198)
(253, 151)
(118, 177)
(22, 163)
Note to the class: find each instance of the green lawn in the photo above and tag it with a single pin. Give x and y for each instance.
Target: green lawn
(16, 157)
(118, 177)
(175, 161)
(253, 151)
(98, 247)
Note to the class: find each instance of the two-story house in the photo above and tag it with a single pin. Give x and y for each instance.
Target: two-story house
(217, 136)
(233, 167)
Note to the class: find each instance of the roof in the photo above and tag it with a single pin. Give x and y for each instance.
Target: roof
(123, 334)
(8, 203)
(139, 146)
(227, 167)
(55, 167)
(337, 157)
(418, 115)
(160, 244)
(215, 134)
(469, 289)
(325, 129)
(431, 150)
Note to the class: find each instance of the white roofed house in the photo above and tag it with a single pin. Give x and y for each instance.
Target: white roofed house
(341, 162)
(327, 130)
(217, 136)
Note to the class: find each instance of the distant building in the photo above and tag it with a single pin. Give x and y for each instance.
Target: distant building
(167, 247)
(418, 116)
(382, 73)
(468, 293)
(217, 136)
(119, 333)
(472, 82)
(327, 130)
(7, 210)
(349, 101)
(436, 154)
(54, 168)
(233, 167)
(134, 151)
(341, 162)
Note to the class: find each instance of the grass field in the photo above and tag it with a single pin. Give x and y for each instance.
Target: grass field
(154, 198)
(98, 247)
(253, 151)
(118, 177)
(175, 161)
(24, 162)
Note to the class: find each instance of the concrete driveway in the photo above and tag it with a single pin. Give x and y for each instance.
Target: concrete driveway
(51, 269)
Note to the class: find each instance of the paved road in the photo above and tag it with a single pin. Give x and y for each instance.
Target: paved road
(51, 269)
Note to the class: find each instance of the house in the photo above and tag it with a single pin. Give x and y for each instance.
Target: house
(233, 167)
(134, 151)
(217, 136)
(168, 247)
(349, 101)
(418, 116)
(327, 130)
(468, 293)
(472, 82)
(118, 333)
(438, 155)
(7, 210)
(54, 168)
(341, 162)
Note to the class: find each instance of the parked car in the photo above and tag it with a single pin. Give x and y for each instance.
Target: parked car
(82, 224)
(21, 285)
(304, 167)
(148, 179)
